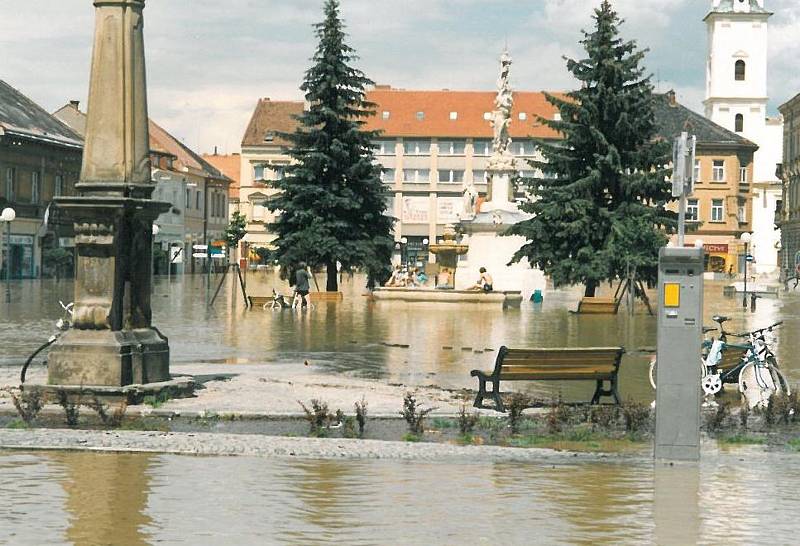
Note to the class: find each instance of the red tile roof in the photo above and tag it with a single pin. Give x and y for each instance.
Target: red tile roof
(470, 107)
(231, 166)
(272, 117)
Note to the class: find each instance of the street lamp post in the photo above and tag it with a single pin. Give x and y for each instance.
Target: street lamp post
(745, 238)
(8, 216)
(403, 250)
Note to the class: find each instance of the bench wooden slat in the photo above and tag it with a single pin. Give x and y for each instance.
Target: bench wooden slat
(562, 370)
(567, 359)
(545, 376)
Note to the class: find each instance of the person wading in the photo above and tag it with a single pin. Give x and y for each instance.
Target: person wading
(301, 278)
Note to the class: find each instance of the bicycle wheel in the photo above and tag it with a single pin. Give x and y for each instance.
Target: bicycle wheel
(653, 375)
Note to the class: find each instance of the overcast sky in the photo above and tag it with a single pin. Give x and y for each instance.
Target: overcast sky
(208, 61)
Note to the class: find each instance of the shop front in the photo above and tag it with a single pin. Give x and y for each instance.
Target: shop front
(19, 256)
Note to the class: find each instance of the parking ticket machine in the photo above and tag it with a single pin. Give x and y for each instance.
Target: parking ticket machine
(680, 335)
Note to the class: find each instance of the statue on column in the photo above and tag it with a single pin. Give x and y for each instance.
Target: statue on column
(501, 117)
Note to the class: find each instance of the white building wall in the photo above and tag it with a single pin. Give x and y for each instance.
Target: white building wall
(744, 36)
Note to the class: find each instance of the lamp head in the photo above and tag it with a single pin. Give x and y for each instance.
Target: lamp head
(745, 237)
(8, 215)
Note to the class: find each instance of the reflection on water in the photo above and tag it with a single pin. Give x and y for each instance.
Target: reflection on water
(352, 335)
(743, 497)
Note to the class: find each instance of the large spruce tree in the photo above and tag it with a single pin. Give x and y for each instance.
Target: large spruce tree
(599, 205)
(331, 202)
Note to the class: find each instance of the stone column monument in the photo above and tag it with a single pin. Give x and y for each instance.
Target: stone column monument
(112, 342)
(484, 229)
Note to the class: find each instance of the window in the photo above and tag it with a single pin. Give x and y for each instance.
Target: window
(557, 116)
(420, 116)
(739, 70)
(743, 175)
(258, 172)
(717, 210)
(416, 176)
(451, 147)
(188, 199)
(739, 123)
(482, 147)
(453, 116)
(487, 116)
(11, 184)
(741, 212)
(385, 114)
(277, 173)
(269, 136)
(696, 170)
(526, 174)
(692, 210)
(451, 176)
(35, 187)
(197, 204)
(718, 170)
(478, 177)
(387, 175)
(58, 189)
(523, 147)
(385, 147)
(523, 116)
(416, 147)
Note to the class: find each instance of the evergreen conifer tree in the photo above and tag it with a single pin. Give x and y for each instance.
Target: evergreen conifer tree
(331, 202)
(600, 204)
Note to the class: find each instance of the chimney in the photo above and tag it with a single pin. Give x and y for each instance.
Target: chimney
(215, 150)
(671, 97)
(75, 104)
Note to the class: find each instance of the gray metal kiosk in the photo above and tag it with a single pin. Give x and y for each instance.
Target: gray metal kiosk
(680, 334)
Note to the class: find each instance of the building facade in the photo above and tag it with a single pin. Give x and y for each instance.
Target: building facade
(788, 214)
(197, 191)
(263, 160)
(720, 209)
(40, 158)
(736, 98)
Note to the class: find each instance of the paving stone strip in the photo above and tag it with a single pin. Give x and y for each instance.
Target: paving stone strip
(285, 447)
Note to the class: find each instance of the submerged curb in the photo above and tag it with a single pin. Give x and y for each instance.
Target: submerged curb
(180, 443)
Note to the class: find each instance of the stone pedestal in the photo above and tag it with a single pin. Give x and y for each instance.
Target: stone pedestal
(112, 342)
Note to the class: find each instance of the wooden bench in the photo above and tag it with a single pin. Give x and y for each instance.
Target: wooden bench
(599, 364)
(598, 306)
(259, 301)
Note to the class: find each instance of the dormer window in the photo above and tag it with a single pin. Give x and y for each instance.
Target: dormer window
(269, 136)
(739, 123)
(523, 116)
(420, 116)
(385, 114)
(453, 116)
(739, 70)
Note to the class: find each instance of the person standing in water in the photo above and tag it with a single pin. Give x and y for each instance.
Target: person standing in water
(301, 281)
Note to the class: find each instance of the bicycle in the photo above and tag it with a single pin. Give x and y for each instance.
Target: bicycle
(278, 302)
(760, 376)
(62, 325)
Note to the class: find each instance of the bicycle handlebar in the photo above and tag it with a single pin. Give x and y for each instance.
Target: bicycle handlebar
(758, 331)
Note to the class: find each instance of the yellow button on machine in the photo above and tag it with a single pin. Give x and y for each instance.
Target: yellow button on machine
(672, 294)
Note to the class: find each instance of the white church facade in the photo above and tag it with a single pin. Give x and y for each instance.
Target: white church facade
(736, 98)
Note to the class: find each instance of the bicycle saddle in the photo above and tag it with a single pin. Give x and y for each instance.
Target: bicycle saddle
(720, 319)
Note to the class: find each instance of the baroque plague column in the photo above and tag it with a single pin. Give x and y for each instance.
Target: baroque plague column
(112, 342)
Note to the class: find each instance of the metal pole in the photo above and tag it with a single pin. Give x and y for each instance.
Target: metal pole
(744, 297)
(681, 219)
(8, 262)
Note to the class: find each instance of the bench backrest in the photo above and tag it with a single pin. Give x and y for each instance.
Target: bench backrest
(731, 357)
(558, 363)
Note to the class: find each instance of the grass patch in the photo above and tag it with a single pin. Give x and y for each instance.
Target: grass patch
(794, 444)
(156, 401)
(17, 424)
(442, 423)
(411, 437)
(745, 439)
(580, 439)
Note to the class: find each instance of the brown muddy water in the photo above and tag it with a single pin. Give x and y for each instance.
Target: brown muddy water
(741, 496)
(359, 337)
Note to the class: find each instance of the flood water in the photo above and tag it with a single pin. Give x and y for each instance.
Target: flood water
(445, 341)
(90, 498)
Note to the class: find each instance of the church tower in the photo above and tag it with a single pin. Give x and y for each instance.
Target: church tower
(736, 98)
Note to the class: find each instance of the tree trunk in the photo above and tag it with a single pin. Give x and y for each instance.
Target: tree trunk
(591, 287)
(333, 278)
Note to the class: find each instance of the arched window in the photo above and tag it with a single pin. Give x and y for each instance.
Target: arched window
(739, 123)
(739, 70)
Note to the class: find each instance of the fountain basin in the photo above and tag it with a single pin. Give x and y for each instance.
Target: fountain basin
(506, 298)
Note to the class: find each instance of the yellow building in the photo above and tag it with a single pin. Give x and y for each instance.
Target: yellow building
(720, 209)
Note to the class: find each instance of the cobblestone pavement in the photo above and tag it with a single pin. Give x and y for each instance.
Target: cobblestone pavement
(272, 446)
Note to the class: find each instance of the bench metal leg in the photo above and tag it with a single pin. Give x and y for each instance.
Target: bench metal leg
(498, 401)
(481, 393)
(599, 391)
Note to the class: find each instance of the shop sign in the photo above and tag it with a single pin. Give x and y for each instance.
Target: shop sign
(448, 209)
(415, 210)
(711, 247)
(19, 240)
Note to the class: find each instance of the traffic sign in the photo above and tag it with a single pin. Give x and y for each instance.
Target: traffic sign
(750, 258)
(199, 255)
(176, 254)
(202, 248)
